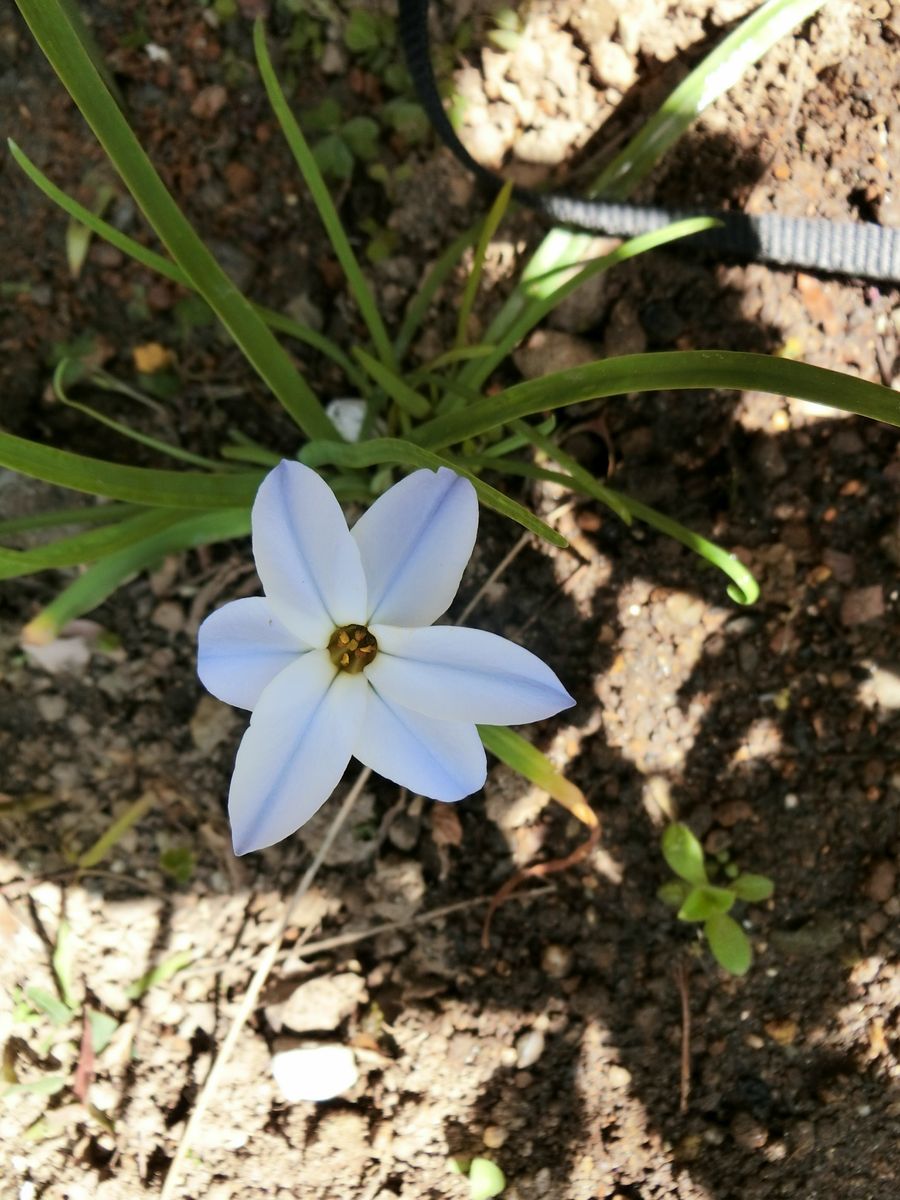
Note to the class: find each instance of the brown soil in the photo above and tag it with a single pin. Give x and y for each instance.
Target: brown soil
(771, 730)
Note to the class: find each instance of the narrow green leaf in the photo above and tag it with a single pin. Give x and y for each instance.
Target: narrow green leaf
(45, 1002)
(87, 547)
(47, 1085)
(490, 226)
(101, 580)
(78, 236)
(62, 962)
(111, 837)
(684, 854)
(752, 888)
(743, 588)
(102, 1029)
(317, 341)
(78, 212)
(161, 447)
(704, 902)
(94, 514)
(395, 450)
(451, 358)
(65, 52)
(434, 280)
(400, 392)
(726, 370)
(718, 72)
(165, 267)
(547, 291)
(137, 485)
(312, 176)
(516, 441)
(518, 753)
(159, 974)
(729, 944)
(583, 478)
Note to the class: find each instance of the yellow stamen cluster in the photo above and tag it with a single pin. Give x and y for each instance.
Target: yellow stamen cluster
(352, 648)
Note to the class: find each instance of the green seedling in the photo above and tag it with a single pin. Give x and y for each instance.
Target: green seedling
(508, 29)
(486, 1180)
(700, 901)
(78, 236)
(343, 142)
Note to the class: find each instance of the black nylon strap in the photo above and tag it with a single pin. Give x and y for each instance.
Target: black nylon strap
(839, 247)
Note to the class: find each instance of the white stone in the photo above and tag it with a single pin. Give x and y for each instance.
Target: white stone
(529, 1048)
(314, 1073)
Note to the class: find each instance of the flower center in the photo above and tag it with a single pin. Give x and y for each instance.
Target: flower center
(351, 648)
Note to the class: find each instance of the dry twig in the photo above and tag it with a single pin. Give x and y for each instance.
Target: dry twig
(254, 988)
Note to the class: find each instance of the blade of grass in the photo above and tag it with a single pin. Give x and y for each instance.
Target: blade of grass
(434, 280)
(576, 472)
(743, 588)
(756, 34)
(66, 54)
(726, 370)
(546, 291)
(312, 176)
(137, 485)
(111, 837)
(101, 580)
(488, 229)
(515, 441)
(394, 450)
(165, 267)
(405, 397)
(451, 358)
(719, 71)
(159, 974)
(62, 962)
(100, 514)
(90, 546)
(176, 452)
(511, 748)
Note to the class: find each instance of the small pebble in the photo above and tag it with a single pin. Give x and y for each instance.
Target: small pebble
(881, 882)
(618, 1077)
(168, 616)
(314, 1073)
(529, 1048)
(51, 708)
(494, 1136)
(747, 1132)
(556, 961)
(782, 1032)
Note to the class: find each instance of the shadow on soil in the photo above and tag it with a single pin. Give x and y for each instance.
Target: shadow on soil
(778, 764)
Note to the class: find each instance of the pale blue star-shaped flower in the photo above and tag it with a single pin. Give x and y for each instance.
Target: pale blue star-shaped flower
(341, 659)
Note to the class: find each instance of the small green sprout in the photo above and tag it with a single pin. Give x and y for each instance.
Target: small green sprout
(699, 900)
(508, 30)
(343, 142)
(485, 1177)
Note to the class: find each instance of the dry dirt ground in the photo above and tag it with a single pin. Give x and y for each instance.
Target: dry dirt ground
(771, 730)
